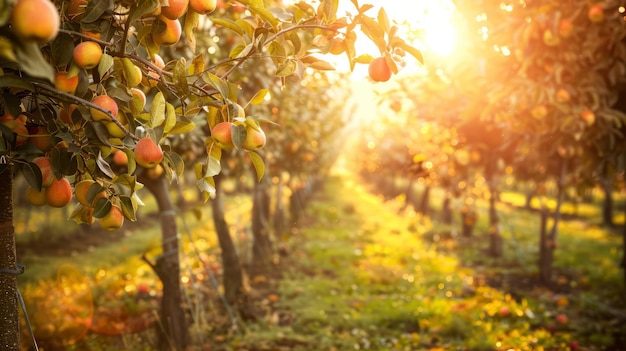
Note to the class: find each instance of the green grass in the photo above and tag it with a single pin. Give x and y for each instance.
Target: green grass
(366, 274)
(362, 276)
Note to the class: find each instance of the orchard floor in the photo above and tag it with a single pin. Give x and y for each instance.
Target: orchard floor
(362, 273)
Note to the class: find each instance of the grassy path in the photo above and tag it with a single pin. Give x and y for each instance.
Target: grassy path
(361, 276)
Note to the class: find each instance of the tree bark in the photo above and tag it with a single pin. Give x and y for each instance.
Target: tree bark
(172, 331)
(549, 242)
(409, 194)
(496, 244)
(545, 261)
(445, 208)
(234, 292)
(278, 219)
(424, 207)
(9, 318)
(607, 203)
(262, 251)
(623, 264)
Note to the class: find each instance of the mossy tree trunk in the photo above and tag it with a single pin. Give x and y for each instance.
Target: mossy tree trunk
(172, 331)
(9, 318)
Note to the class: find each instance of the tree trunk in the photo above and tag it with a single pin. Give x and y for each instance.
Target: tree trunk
(173, 329)
(409, 195)
(9, 318)
(445, 208)
(607, 204)
(624, 247)
(278, 219)
(545, 259)
(296, 204)
(233, 274)
(529, 199)
(496, 244)
(549, 242)
(424, 207)
(262, 252)
(468, 219)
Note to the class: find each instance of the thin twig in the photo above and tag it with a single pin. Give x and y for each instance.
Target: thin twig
(84, 36)
(84, 103)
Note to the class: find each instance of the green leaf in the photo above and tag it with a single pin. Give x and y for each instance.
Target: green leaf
(239, 134)
(102, 207)
(180, 79)
(374, 31)
(61, 49)
(128, 207)
(191, 22)
(143, 7)
(266, 15)
(383, 20)
(259, 97)
(170, 118)
(183, 127)
(157, 110)
(95, 10)
(217, 83)
(213, 166)
(11, 81)
(177, 163)
(32, 62)
(287, 68)
(413, 51)
(259, 165)
(328, 10)
(105, 64)
(224, 22)
(105, 167)
(32, 174)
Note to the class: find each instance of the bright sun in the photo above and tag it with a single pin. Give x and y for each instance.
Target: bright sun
(432, 19)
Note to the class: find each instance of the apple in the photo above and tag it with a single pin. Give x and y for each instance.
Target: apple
(59, 193)
(540, 111)
(562, 95)
(550, 39)
(155, 172)
(140, 94)
(379, 70)
(41, 138)
(588, 116)
(35, 20)
(81, 189)
(87, 54)
(65, 84)
(222, 134)
(561, 319)
(504, 311)
(566, 28)
(255, 139)
(112, 220)
(147, 153)
(18, 127)
(114, 130)
(175, 10)
(34, 197)
(167, 32)
(120, 158)
(203, 7)
(107, 103)
(596, 13)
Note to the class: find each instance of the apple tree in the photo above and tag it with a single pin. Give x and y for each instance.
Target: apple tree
(83, 80)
